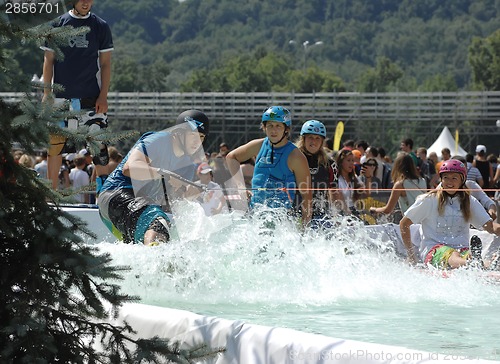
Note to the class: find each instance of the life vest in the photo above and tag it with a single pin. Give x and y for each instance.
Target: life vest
(273, 183)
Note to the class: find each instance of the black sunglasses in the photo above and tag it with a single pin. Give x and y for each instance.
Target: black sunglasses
(369, 164)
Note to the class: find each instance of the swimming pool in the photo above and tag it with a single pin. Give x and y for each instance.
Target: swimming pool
(273, 275)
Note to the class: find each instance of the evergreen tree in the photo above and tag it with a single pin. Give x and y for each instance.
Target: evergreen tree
(55, 290)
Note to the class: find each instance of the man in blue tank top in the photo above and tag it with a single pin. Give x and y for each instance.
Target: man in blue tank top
(85, 74)
(280, 168)
(135, 198)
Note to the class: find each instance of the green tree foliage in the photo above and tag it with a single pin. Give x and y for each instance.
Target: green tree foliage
(484, 58)
(439, 83)
(314, 80)
(262, 72)
(55, 290)
(381, 78)
(425, 38)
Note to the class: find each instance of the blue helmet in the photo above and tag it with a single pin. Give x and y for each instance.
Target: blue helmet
(313, 127)
(278, 114)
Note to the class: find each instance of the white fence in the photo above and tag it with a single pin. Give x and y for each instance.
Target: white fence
(236, 116)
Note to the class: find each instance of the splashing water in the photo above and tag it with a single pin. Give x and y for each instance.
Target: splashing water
(342, 282)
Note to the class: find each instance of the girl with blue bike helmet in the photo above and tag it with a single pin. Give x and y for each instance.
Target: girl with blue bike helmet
(321, 167)
(280, 170)
(313, 127)
(277, 114)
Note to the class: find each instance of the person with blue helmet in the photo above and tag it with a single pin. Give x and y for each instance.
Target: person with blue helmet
(323, 170)
(280, 168)
(135, 198)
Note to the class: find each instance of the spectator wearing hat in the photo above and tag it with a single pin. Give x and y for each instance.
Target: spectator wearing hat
(484, 166)
(212, 199)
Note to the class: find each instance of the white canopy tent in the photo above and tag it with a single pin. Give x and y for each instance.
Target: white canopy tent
(446, 140)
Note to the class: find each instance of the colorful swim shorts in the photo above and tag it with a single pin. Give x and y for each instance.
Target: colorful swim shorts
(439, 255)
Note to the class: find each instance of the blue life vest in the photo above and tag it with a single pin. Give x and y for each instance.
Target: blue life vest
(271, 177)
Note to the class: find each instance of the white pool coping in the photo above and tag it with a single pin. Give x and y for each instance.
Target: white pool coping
(248, 343)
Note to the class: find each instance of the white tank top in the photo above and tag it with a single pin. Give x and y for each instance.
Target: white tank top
(413, 189)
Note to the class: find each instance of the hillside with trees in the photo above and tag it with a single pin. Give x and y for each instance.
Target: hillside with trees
(254, 45)
(414, 44)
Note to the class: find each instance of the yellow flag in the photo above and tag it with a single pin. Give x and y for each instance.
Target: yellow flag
(456, 141)
(339, 131)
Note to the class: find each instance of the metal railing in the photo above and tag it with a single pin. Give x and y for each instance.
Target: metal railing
(235, 116)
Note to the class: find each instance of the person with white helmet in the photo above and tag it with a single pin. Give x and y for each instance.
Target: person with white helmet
(323, 170)
(135, 199)
(85, 74)
(280, 167)
(445, 215)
